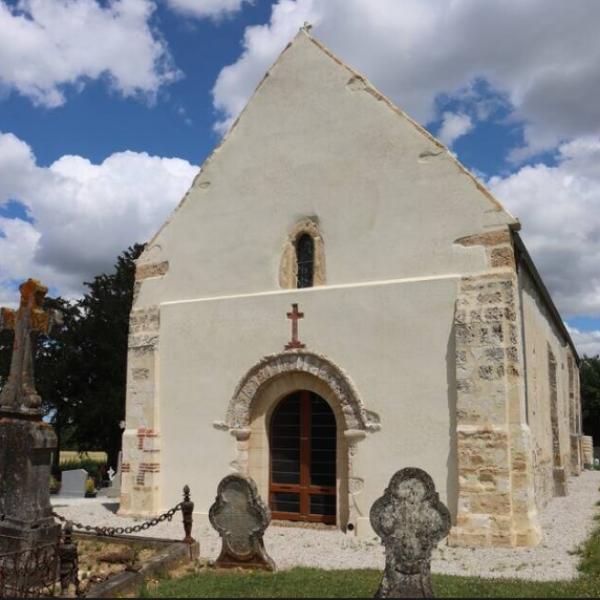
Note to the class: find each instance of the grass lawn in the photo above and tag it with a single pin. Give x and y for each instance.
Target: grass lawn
(307, 583)
(315, 583)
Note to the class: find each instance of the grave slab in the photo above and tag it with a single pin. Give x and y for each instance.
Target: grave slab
(241, 517)
(410, 519)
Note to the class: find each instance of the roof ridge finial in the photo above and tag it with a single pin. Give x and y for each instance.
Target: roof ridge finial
(306, 27)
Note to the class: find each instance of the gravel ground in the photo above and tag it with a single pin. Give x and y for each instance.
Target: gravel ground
(566, 523)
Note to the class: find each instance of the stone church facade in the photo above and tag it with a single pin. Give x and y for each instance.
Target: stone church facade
(337, 298)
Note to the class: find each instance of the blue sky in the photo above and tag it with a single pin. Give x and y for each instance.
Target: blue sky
(97, 122)
(96, 95)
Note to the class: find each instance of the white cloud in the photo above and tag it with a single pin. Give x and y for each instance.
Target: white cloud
(84, 214)
(587, 342)
(559, 207)
(454, 125)
(214, 9)
(542, 55)
(48, 45)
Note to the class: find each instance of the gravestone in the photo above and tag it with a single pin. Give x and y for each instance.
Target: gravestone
(410, 520)
(114, 491)
(26, 441)
(73, 483)
(241, 517)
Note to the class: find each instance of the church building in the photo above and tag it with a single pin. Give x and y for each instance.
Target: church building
(336, 298)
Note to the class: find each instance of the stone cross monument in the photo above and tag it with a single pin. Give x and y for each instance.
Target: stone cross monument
(26, 442)
(410, 520)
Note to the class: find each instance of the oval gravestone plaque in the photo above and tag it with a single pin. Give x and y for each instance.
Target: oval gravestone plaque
(241, 517)
(410, 520)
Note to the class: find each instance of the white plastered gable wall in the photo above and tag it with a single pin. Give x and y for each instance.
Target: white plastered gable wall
(403, 225)
(317, 139)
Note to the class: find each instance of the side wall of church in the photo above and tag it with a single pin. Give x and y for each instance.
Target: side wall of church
(553, 406)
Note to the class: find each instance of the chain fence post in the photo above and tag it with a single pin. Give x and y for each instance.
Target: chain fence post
(187, 509)
(68, 557)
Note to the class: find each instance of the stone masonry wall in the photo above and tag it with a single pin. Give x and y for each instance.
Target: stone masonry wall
(140, 487)
(574, 416)
(496, 496)
(552, 398)
(559, 473)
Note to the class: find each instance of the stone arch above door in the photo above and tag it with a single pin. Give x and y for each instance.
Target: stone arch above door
(356, 417)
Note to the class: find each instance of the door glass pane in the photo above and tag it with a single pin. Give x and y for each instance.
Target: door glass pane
(323, 444)
(285, 441)
(285, 502)
(322, 504)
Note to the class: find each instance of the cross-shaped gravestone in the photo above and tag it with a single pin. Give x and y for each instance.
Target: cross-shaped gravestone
(294, 316)
(241, 517)
(19, 394)
(410, 520)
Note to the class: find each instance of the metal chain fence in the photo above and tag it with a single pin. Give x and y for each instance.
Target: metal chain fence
(186, 507)
(111, 531)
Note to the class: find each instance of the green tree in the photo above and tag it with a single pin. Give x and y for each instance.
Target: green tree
(590, 396)
(81, 366)
(101, 343)
(56, 370)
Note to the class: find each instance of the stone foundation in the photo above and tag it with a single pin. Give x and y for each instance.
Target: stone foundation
(496, 504)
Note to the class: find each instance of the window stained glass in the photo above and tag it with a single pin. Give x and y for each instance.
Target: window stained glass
(305, 256)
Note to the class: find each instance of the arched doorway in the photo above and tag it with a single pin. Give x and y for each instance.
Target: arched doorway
(302, 472)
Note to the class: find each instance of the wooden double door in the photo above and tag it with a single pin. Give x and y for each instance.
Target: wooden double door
(303, 442)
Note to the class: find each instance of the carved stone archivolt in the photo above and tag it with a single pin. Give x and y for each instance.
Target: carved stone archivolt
(288, 268)
(298, 361)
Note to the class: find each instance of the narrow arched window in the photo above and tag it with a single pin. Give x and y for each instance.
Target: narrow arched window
(305, 259)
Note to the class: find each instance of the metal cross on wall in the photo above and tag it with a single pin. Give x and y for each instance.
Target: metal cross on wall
(294, 316)
(19, 394)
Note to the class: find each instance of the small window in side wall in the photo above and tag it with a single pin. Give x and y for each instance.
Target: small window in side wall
(305, 259)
